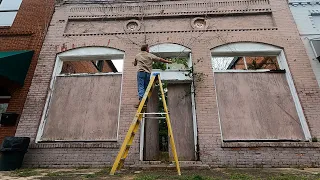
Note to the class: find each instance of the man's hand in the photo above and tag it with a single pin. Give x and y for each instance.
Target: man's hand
(165, 61)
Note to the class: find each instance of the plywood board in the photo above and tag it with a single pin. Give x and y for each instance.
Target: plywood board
(180, 107)
(256, 106)
(151, 132)
(84, 108)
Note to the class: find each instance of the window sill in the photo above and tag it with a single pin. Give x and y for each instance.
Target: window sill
(270, 144)
(51, 145)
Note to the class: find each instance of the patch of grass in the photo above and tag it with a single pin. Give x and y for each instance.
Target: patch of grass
(25, 172)
(55, 174)
(239, 176)
(175, 177)
(314, 139)
(90, 176)
(289, 177)
(196, 177)
(103, 172)
(147, 177)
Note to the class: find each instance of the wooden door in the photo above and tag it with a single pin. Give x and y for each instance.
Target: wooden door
(180, 107)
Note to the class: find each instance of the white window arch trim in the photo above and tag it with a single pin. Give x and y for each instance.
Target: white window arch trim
(79, 54)
(249, 48)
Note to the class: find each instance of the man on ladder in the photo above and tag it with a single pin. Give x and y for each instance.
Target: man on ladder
(144, 61)
(145, 84)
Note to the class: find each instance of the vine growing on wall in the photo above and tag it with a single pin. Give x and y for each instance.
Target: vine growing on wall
(178, 61)
(197, 77)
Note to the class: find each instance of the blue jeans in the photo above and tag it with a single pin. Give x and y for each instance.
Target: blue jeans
(143, 79)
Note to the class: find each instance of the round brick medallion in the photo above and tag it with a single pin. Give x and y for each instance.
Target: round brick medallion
(199, 23)
(132, 25)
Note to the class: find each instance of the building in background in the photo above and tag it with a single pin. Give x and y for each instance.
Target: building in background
(306, 14)
(241, 91)
(23, 26)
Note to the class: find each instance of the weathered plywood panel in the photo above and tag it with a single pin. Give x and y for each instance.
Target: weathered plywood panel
(84, 108)
(255, 106)
(151, 132)
(180, 106)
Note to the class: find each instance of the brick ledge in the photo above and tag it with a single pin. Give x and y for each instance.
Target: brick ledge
(271, 144)
(108, 145)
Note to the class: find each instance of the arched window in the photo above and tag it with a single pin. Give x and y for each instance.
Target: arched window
(84, 97)
(256, 96)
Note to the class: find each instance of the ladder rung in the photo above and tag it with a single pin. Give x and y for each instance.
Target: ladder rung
(155, 113)
(154, 118)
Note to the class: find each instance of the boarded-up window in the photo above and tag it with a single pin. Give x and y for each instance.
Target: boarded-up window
(256, 106)
(84, 108)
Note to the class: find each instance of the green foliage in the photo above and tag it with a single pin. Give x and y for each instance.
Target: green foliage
(183, 61)
(159, 65)
(163, 130)
(147, 177)
(254, 65)
(55, 174)
(25, 172)
(163, 66)
(171, 177)
(90, 176)
(239, 176)
(104, 171)
(289, 177)
(314, 139)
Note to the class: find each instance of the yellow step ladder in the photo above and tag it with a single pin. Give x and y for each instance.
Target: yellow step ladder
(124, 150)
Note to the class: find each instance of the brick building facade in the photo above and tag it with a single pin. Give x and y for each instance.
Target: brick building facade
(22, 30)
(211, 125)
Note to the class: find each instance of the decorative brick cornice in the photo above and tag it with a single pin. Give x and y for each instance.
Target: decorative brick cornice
(108, 145)
(233, 12)
(111, 7)
(160, 32)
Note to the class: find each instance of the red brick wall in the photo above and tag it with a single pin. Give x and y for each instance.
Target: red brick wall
(26, 33)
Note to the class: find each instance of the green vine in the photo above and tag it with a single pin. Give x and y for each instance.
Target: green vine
(159, 65)
(162, 66)
(183, 61)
